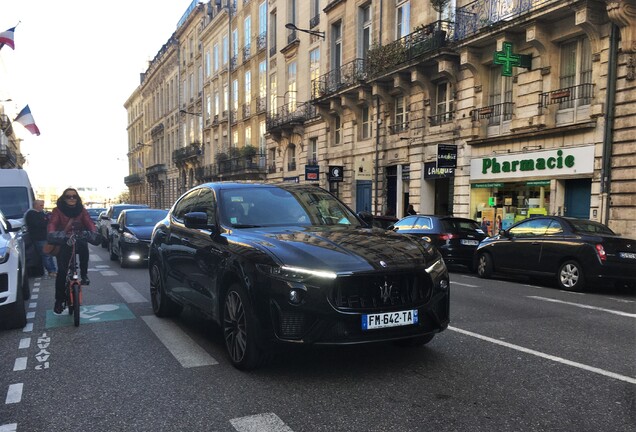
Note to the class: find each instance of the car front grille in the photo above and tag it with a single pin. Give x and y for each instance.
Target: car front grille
(381, 291)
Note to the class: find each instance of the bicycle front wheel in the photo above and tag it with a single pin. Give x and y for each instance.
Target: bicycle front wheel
(76, 305)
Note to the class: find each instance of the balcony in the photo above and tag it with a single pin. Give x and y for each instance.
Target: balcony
(215, 120)
(246, 167)
(152, 172)
(247, 52)
(441, 118)
(424, 40)
(261, 104)
(314, 21)
(133, 179)
(291, 166)
(246, 110)
(290, 115)
(8, 158)
(567, 96)
(399, 128)
(261, 41)
(346, 76)
(191, 151)
(494, 113)
(482, 14)
(207, 173)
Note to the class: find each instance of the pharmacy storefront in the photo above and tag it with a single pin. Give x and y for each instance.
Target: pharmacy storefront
(511, 187)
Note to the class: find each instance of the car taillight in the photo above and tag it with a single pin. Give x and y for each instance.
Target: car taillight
(601, 252)
(445, 236)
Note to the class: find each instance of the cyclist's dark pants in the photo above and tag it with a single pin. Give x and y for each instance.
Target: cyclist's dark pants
(63, 258)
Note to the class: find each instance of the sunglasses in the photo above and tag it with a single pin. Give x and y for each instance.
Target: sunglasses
(70, 197)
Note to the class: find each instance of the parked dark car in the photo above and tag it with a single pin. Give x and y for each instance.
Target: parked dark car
(291, 264)
(94, 213)
(384, 221)
(106, 220)
(455, 237)
(130, 239)
(578, 253)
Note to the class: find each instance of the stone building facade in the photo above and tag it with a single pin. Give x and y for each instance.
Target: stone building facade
(489, 109)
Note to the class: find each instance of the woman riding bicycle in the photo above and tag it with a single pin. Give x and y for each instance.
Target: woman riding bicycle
(69, 216)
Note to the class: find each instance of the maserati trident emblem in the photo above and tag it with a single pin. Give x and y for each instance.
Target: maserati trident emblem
(385, 291)
(383, 264)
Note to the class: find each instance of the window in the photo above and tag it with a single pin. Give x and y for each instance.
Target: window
(403, 18)
(234, 138)
(262, 131)
(226, 49)
(500, 98)
(248, 135)
(273, 90)
(191, 86)
(217, 107)
(291, 86)
(235, 96)
(248, 87)
(576, 70)
(401, 114)
(365, 127)
(443, 103)
(235, 42)
(312, 151)
(315, 11)
(262, 79)
(272, 34)
(291, 11)
(365, 31)
(208, 64)
(215, 58)
(247, 30)
(262, 18)
(208, 109)
(336, 48)
(314, 69)
(226, 100)
(291, 157)
(337, 130)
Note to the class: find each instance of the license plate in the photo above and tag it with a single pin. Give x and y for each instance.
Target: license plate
(628, 255)
(469, 242)
(389, 319)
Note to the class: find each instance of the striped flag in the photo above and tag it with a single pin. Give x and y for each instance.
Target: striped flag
(6, 38)
(26, 119)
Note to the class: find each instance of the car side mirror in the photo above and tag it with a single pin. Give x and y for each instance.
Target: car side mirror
(197, 220)
(366, 217)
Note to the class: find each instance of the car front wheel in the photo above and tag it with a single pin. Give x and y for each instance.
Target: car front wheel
(484, 266)
(570, 276)
(239, 330)
(162, 305)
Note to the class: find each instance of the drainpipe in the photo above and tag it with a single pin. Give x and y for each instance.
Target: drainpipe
(377, 153)
(608, 129)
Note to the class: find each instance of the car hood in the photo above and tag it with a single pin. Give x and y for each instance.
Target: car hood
(141, 232)
(339, 249)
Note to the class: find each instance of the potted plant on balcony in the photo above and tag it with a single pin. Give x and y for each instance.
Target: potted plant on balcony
(439, 5)
(248, 151)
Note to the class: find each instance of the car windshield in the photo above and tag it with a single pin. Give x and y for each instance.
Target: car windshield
(118, 210)
(590, 227)
(14, 201)
(461, 225)
(145, 218)
(272, 206)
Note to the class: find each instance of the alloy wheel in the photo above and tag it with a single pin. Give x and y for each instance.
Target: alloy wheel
(235, 326)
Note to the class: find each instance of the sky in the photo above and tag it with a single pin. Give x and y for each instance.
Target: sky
(75, 64)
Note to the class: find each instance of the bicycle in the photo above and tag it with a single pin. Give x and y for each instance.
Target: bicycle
(73, 290)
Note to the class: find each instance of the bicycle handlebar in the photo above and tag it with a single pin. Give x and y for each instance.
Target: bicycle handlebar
(61, 237)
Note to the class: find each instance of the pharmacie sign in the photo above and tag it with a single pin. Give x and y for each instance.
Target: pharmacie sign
(547, 163)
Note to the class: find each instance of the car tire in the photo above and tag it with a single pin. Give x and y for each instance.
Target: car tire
(162, 305)
(13, 316)
(415, 341)
(26, 289)
(240, 330)
(113, 256)
(104, 241)
(484, 265)
(123, 262)
(570, 276)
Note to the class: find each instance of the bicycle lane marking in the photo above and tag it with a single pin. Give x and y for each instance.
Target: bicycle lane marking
(268, 422)
(181, 346)
(561, 360)
(128, 292)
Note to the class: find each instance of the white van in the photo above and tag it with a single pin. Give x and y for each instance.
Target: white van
(16, 195)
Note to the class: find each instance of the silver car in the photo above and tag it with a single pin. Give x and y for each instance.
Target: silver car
(14, 283)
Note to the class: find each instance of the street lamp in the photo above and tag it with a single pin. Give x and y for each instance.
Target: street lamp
(292, 26)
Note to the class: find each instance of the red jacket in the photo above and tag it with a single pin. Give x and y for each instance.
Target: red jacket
(59, 222)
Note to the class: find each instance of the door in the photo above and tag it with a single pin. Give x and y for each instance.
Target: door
(520, 250)
(391, 190)
(577, 198)
(363, 196)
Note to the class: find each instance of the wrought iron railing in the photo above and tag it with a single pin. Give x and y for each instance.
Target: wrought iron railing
(191, 151)
(8, 156)
(345, 76)
(156, 169)
(272, 50)
(438, 119)
(247, 111)
(261, 41)
(241, 164)
(566, 96)
(314, 21)
(290, 114)
(473, 17)
(425, 39)
(261, 104)
(291, 166)
(133, 179)
(206, 172)
(233, 62)
(292, 36)
(399, 128)
(215, 120)
(271, 169)
(502, 111)
(247, 52)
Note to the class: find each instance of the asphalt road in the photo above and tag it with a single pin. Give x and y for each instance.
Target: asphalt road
(517, 357)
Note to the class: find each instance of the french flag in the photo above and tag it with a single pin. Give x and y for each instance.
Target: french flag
(6, 38)
(26, 119)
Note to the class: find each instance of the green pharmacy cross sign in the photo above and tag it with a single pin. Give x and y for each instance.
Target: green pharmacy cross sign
(508, 59)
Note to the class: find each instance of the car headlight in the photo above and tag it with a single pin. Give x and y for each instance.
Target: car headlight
(4, 254)
(129, 238)
(294, 274)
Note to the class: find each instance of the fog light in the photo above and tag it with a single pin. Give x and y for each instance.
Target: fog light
(443, 284)
(295, 296)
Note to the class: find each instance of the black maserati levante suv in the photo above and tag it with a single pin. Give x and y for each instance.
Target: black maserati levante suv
(291, 264)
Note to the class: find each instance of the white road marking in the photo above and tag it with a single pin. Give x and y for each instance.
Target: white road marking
(463, 284)
(99, 267)
(180, 345)
(32, 305)
(615, 312)
(14, 395)
(36, 290)
(268, 422)
(28, 328)
(628, 379)
(34, 297)
(11, 427)
(36, 284)
(109, 273)
(130, 294)
(95, 257)
(25, 343)
(20, 364)
(621, 300)
(31, 315)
